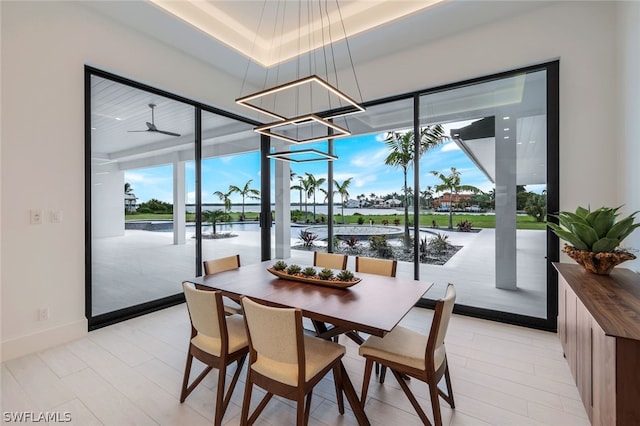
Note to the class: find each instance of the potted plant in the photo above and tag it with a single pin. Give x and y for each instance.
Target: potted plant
(595, 237)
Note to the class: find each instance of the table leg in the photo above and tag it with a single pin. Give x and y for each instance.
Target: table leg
(352, 397)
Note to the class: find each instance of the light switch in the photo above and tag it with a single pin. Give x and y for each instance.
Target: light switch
(35, 216)
(56, 216)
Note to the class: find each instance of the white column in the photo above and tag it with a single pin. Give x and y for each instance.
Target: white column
(283, 209)
(179, 208)
(506, 164)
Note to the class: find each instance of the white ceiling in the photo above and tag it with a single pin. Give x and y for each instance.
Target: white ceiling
(117, 109)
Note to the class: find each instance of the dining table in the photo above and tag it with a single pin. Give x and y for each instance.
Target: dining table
(374, 305)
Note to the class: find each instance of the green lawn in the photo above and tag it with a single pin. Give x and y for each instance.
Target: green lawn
(442, 220)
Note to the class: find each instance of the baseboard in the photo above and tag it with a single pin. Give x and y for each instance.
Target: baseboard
(42, 340)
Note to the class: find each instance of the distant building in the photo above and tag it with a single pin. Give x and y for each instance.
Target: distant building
(130, 203)
(352, 204)
(458, 200)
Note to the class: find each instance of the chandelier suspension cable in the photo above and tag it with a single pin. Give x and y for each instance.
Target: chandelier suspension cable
(253, 47)
(346, 41)
(302, 115)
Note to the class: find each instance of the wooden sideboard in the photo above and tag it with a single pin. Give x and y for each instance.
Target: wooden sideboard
(599, 328)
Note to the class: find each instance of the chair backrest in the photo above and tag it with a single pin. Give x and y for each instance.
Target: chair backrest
(275, 336)
(222, 264)
(384, 267)
(441, 317)
(330, 260)
(206, 311)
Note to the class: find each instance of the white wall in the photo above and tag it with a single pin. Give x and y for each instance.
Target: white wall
(44, 48)
(629, 117)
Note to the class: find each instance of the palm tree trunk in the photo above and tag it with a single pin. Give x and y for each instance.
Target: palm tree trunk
(406, 214)
(314, 207)
(342, 209)
(451, 210)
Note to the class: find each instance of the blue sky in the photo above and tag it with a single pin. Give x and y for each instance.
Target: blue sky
(360, 157)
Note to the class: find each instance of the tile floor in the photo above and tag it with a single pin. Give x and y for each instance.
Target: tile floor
(130, 373)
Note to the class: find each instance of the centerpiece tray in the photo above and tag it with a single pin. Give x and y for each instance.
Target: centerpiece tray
(331, 282)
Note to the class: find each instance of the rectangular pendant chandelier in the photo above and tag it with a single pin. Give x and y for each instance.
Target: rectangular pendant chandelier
(286, 130)
(305, 156)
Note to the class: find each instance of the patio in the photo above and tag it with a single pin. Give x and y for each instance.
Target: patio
(150, 266)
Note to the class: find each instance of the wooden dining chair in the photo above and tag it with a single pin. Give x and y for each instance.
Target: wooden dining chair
(223, 264)
(369, 265)
(330, 260)
(407, 352)
(217, 340)
(284, 361)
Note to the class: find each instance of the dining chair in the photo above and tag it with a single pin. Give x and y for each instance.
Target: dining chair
(284, 361)
(407, 352)
(217, 340)
(369, 265)
(330, 260)
(223, 264)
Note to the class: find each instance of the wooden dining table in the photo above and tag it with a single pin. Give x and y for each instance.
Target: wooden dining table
(375, 305)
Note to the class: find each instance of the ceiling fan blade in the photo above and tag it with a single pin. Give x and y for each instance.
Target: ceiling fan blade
(136, 131)
(167, 133)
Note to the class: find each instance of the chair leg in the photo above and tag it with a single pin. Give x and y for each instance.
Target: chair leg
(222, 372)
(307, 408)
(434, 393)
(246, 402)
(368, 366)
(383, 373)
(448, 397)
(337, 380)
(413, 399)
(185, 380)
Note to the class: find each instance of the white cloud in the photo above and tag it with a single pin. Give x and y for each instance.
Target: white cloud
(369, 158)
(450, 146)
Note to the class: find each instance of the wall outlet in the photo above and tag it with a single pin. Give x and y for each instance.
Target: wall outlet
(35, 216)
(43, 314)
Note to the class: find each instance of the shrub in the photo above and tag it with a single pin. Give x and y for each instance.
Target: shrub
(440, 243)
(396, 222)
(351, 242)
(380, 244)
(360, 220)
(308, 238)
(464, 226)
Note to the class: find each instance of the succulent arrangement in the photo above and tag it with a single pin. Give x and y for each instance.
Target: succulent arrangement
(345, 275)
(293, 269)
(312, 273)
(309, 271)
(325, 274)
(280, 265)
(595, 237)
(596, 231)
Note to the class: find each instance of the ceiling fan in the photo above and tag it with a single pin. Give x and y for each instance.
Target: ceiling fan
(151, 127)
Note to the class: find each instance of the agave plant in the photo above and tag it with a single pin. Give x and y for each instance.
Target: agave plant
(596, 231)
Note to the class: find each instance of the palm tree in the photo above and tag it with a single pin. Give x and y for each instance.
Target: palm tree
(213, 217)
(402, 150)
(313, 186)
(452, 184)
(298, 188)
(224, 197)
(246, 192)
(343, 191)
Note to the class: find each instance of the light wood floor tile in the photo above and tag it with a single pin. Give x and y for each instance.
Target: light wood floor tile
(130, 373)
(44, 388)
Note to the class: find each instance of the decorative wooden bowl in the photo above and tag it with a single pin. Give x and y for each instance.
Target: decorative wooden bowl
(332, 282)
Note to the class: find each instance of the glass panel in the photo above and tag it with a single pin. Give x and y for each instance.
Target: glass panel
(140, 146)
(230, 189)
(484, 194)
